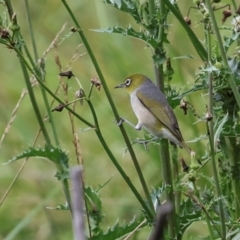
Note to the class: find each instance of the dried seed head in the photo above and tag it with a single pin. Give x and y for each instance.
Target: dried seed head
(4, 33)
(184, 166)
(59, 108)
(226, 13)
(57, 60)
(184, 106)
(187, 20)
(73, 29)
(208, 116)
(80, 94)
(67, 74)
(96, 82)
(192, 176)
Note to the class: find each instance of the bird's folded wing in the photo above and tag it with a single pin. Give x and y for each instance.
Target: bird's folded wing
(163, 113)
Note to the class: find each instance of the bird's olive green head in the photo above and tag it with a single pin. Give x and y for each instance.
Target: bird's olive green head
(132, 82)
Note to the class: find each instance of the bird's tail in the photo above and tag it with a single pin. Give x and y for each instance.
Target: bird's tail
(184, 145)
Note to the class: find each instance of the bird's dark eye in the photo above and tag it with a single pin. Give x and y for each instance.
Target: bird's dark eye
(127, 82)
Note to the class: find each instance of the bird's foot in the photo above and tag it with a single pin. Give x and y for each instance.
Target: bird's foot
(121, 121)
(144, 142)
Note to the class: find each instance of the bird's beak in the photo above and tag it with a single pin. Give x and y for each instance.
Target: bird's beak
(122, 85)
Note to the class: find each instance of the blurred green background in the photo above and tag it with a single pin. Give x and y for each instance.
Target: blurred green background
(118, 56)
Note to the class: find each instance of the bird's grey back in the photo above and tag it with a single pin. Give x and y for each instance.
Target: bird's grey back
(151, 91)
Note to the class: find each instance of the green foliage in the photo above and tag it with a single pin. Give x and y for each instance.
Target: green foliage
(129, 31)
(189, 214)
(94, 209)
(55, 155)
(118, 231)
(140, 13)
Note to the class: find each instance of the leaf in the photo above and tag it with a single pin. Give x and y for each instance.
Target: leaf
(231, 233)
(211, 69)
(94, 208)
(117, 2)
(117, 231)
(228, 41)
(93, 199)
(234, 65)
(197, 139)
(129, 31)
(127, 6)
(55, 155)
(219, 130)
(188, 215)
(185, 56)
(60, 207)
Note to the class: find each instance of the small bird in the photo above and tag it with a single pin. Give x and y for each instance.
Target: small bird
(152, 110)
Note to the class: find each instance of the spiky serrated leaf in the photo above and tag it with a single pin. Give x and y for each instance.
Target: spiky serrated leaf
(234, 65)
(117, 231)
(184, 56)
(219, 129)
(60, 207)
(211, 69)
(94, 208)
(228, 41)
(129, 31)
(127, 6)
(92, 197)
(189, 213)
(55, 155)
(235, 233)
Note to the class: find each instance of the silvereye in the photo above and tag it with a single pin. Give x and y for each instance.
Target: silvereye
(152, 109)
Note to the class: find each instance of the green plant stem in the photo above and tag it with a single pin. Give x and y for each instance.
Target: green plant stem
(41, 72)
(195, 41)
(176, 179)
(166, 168)
(50, 92)
(164, 146)
(9, 7)
(34, 103)
(116, 164)
(234, 5)
(207, 218)
(49, 114)
(25, 66)
(215, 173)
(35, 106)
(223, 54)
(167, 179)
(31, 30)
(108, 95)
(233, 152)
(151, 5)
(42, 126)
(211, 139)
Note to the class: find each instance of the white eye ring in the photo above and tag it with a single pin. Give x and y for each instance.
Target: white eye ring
(128, 82)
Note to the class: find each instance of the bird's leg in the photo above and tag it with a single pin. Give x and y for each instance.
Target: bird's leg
(122, 120)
